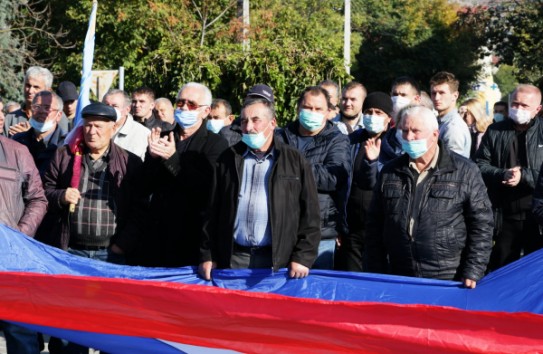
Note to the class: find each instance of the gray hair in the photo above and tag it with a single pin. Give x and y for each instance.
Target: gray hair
(208, 97)
(43, 73)
(270, 109)
(59, 104)
(164, 100)
(430, 120)
(126, 96)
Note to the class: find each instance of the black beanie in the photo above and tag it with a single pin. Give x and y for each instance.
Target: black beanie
(378, 100)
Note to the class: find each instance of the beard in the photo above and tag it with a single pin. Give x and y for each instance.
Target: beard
(347, 117)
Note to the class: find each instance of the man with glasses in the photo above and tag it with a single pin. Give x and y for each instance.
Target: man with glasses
(36, 79)
(45, 136)
(178, 174)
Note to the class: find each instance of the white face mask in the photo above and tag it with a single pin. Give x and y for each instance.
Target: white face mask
(520, 116)
(214, 125)
(41, 127)
(399, 102)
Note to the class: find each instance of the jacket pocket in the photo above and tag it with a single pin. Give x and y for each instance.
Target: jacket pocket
(392, 195)
(442, 197)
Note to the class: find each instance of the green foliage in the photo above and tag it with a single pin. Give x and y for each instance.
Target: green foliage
(11, 60)
(515, 33)
(506, 80)
(293, 44)
(415, 38)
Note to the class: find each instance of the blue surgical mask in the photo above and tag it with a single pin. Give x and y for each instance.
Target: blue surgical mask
(415, 148)
(373, 124)
(186, 119)
(311, 121)
(41, 127)
(214, 125)
(255, 141)
(498, 117)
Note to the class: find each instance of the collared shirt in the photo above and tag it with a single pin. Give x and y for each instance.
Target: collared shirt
(421, 176)
(132, 137)
(94, 221)
(252, 224)
(342, 126)
(454, 133)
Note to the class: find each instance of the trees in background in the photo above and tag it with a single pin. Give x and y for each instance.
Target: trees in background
(294, 43)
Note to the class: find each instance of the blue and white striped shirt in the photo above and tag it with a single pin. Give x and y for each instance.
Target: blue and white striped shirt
(252, 225)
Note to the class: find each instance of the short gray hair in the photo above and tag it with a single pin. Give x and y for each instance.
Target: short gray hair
(270, 109)
(208, 97)
(126, 96)
(43, 73)
(164, 100)
(430, 120)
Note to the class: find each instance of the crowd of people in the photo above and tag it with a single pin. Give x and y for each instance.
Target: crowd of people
(402, 182)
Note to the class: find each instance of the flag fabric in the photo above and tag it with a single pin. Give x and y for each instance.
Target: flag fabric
(123, 309)
(86, 75)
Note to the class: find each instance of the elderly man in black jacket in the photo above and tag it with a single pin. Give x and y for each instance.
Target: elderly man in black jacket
(265, 212)
(430, 215)
(178, 174)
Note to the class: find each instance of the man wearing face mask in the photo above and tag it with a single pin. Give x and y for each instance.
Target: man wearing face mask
(510, 157)
(430, 216)
(264, 210)
(365, 150)
(178, 173)
(328, 153)
(405, 91)
(500, 111)
(45, 135)
(221, 115)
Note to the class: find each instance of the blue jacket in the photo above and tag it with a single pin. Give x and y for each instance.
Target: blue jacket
(330, 160)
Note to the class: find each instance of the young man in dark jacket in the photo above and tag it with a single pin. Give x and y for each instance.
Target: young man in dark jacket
(430, 215)
(328, 152)
(264, 210)
(510, 157)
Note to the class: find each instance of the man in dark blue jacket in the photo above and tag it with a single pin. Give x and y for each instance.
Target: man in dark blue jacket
(328, 152)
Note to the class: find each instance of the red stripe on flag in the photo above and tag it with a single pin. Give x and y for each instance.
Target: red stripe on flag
(258, 322)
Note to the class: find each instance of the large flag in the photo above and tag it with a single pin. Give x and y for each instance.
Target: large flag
(122, 309)
(86, 76)
(88, 58)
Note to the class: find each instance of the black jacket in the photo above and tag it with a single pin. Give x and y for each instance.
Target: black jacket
(232, 132)
(453, 221)
(493, 159)
(330, 160)
(292, 206)
(42, 154)
(179, 191)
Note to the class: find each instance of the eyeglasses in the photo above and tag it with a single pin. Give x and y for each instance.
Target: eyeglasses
(46, 108)
(191, 105)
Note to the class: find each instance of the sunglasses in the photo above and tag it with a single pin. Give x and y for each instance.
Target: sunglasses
(191, 105)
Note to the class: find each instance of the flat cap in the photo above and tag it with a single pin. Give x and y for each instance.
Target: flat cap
(67, 91)
(99, 110)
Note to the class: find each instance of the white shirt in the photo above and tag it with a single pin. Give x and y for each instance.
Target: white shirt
(133, 137)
